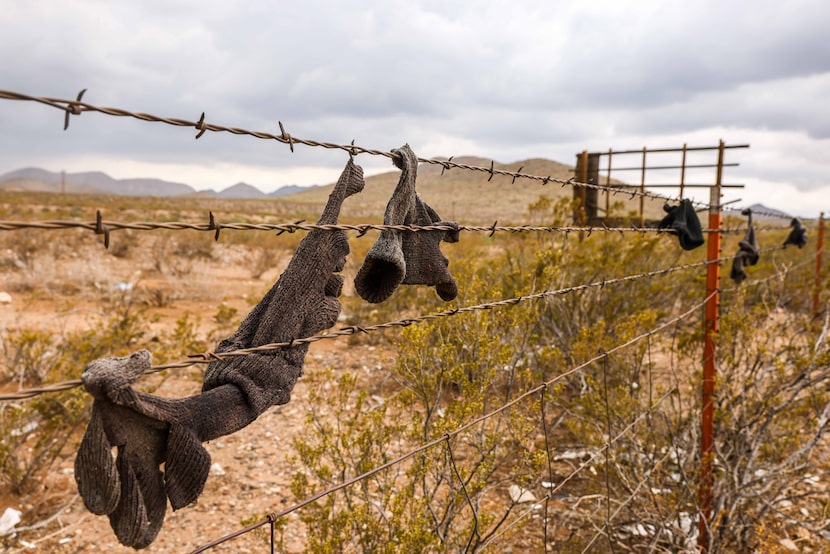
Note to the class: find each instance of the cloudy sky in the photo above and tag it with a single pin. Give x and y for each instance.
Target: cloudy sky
(502, 79)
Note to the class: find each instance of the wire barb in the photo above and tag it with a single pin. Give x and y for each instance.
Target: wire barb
(101, 229)
(286, 138)
(201, 126)
(73, 108)
(214, 225)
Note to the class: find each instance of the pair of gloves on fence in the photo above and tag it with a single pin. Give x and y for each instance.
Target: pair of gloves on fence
(148, 431)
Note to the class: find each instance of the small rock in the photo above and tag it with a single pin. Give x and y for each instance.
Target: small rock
(11, 517)
(788, 544)
(5, 298)
(520, 495)
(216, 469)
(573, 455)
(26, 429)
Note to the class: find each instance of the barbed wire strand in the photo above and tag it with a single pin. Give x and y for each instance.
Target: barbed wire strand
(77, 107)
(527, 394)
(207, 357)
(101, 226)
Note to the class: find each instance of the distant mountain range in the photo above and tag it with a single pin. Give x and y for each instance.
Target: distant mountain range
(96, 182)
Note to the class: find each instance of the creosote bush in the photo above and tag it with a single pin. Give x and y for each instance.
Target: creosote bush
(616, 462)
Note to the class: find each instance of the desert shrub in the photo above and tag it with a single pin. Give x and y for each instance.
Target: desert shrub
(621, 456)
(123, 244)
(176, 253)
(773, 412)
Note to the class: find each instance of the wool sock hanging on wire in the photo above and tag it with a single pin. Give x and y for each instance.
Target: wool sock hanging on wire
(150, 431)
(748, 252)
(408, 257)
(798, 234)
(685, 223)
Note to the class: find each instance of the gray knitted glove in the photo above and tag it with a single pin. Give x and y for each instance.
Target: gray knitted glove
(411, 258)
(748, 252)
(685, 223)
(798, 235)
(149, 431)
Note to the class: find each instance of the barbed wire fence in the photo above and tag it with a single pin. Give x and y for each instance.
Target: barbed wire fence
(589, 461)
(77, 107)
(622, 492)
(101, 227)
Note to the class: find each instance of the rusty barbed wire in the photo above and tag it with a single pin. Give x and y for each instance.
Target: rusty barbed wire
(274, 516)
(77, 107)
(207, 357)
(104, 227)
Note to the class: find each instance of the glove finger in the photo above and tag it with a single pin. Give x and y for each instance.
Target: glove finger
(186, 468)
(129, 519)
(95, 471)
(383, 270)
(140, 514)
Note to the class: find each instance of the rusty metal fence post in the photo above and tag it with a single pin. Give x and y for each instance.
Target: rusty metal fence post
(642, 190)
(819, 252)
(710, 329)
